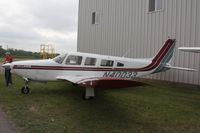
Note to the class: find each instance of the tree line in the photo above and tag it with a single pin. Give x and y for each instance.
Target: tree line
(19, 53)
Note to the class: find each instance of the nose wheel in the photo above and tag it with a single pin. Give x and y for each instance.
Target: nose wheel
(25, 89)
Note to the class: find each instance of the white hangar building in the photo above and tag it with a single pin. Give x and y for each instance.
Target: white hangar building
(139, 28)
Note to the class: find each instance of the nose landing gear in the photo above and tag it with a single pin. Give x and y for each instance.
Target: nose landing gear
(25, 89)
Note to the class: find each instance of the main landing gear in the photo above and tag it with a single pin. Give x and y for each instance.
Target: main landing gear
(89, 94)
(25, 89)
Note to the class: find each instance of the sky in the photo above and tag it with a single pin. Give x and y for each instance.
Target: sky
(25, 24)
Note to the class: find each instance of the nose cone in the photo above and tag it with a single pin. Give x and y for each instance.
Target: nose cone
(7, 65)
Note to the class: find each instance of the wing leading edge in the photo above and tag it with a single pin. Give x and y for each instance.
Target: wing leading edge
(100, 82)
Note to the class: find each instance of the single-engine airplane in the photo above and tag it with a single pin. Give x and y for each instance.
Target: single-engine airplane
(94, 71)
(190, 49)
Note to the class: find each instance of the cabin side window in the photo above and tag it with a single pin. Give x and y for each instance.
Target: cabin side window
(90, 61)
(120, 64)
(74, 60)
(107, 63)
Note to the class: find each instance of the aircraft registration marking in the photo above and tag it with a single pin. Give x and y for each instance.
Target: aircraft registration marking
(22, 66)
(120, 74)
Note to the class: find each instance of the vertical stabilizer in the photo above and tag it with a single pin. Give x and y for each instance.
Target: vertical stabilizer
(164, 55)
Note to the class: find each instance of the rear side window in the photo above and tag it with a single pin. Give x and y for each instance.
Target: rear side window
(90, 61)
(74, 60)
(120, 64)
(108, 63)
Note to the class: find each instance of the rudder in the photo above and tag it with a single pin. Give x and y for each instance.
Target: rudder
(164, 55)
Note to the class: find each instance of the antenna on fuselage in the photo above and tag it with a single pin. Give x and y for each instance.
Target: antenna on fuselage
(126, 53)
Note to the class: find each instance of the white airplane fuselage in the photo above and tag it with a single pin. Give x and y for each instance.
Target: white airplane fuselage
(93, 70)
(49, 70)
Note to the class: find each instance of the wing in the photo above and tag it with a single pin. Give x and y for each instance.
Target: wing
(73, 79)
(100, 82)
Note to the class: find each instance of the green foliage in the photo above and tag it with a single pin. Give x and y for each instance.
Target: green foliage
(19, 53)
(59, 108)
(2, 51)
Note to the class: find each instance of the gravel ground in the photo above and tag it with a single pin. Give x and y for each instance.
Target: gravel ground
(5, 124)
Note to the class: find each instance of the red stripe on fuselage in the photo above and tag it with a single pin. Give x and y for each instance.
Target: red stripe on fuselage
(155, 63)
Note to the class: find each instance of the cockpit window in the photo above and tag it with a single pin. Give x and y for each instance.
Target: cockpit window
(60, 58)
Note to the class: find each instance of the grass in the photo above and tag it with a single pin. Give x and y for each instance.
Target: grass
(59, 108)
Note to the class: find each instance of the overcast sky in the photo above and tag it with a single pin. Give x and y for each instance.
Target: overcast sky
(25, 24)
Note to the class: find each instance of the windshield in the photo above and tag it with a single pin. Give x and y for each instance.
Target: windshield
(60, 58)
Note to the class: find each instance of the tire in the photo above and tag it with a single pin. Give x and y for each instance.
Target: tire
(87, 97)
(74, 84)
(25, 90)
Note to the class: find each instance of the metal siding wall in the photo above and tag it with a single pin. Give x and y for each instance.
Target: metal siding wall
(126, 26)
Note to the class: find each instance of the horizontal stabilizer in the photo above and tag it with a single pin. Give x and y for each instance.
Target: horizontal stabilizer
(190, 49)
(181, 68)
